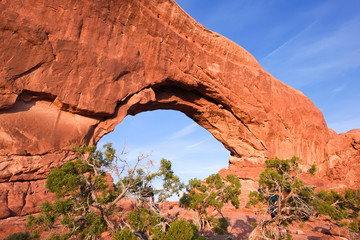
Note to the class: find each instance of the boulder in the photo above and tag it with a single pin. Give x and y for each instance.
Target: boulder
(338, 231)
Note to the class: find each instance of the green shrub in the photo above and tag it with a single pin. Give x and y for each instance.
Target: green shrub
(201, 238)
(344, 224)
(18, 236)
(288, 236)
(331, 204)
(221, 226)
(253, 225)
(182, 229)
(124, 234)
(142, 220)
(354, 226)
(312, 170)
(56, 236)
(214, 193)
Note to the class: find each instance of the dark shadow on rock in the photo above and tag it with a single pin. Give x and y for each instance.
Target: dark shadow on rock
(313, 238)
(322, 230)
(241, 228)
(250, 219)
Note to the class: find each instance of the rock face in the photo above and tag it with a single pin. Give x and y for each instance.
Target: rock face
(72, 70)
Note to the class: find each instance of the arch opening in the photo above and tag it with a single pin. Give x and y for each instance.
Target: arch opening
(170, 134)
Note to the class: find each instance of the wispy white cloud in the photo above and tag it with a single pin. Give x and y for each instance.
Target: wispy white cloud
(338, 50)
(196, 144)
(338, 90)
(289, 41)
(184, 131)
(313, 57)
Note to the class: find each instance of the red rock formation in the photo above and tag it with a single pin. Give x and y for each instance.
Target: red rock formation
(72, 70)
(343, 163)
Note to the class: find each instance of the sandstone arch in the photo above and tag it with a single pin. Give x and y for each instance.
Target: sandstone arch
(72, 70)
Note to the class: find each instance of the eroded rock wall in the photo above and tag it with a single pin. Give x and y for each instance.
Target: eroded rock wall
(72, 70)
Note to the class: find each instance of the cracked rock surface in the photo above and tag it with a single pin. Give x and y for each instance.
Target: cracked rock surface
(72, 70)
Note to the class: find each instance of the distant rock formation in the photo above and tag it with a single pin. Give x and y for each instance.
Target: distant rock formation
(72, 70)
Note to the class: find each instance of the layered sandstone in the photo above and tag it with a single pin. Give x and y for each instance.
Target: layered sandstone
(72, 70)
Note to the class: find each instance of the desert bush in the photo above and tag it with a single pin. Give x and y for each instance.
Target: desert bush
(212, 194)
(338, 206)
(18, 236)
(354, 226)
(181, 229)
(124, 234)
(312, 170)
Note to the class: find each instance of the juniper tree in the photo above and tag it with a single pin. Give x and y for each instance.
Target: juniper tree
(85, 204)
(339, 206)
(285, 196)
(213, 193)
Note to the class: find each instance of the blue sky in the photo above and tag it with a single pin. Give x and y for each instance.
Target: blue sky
(313, 46)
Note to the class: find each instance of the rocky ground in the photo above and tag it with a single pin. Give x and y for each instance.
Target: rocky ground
(321, 228)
